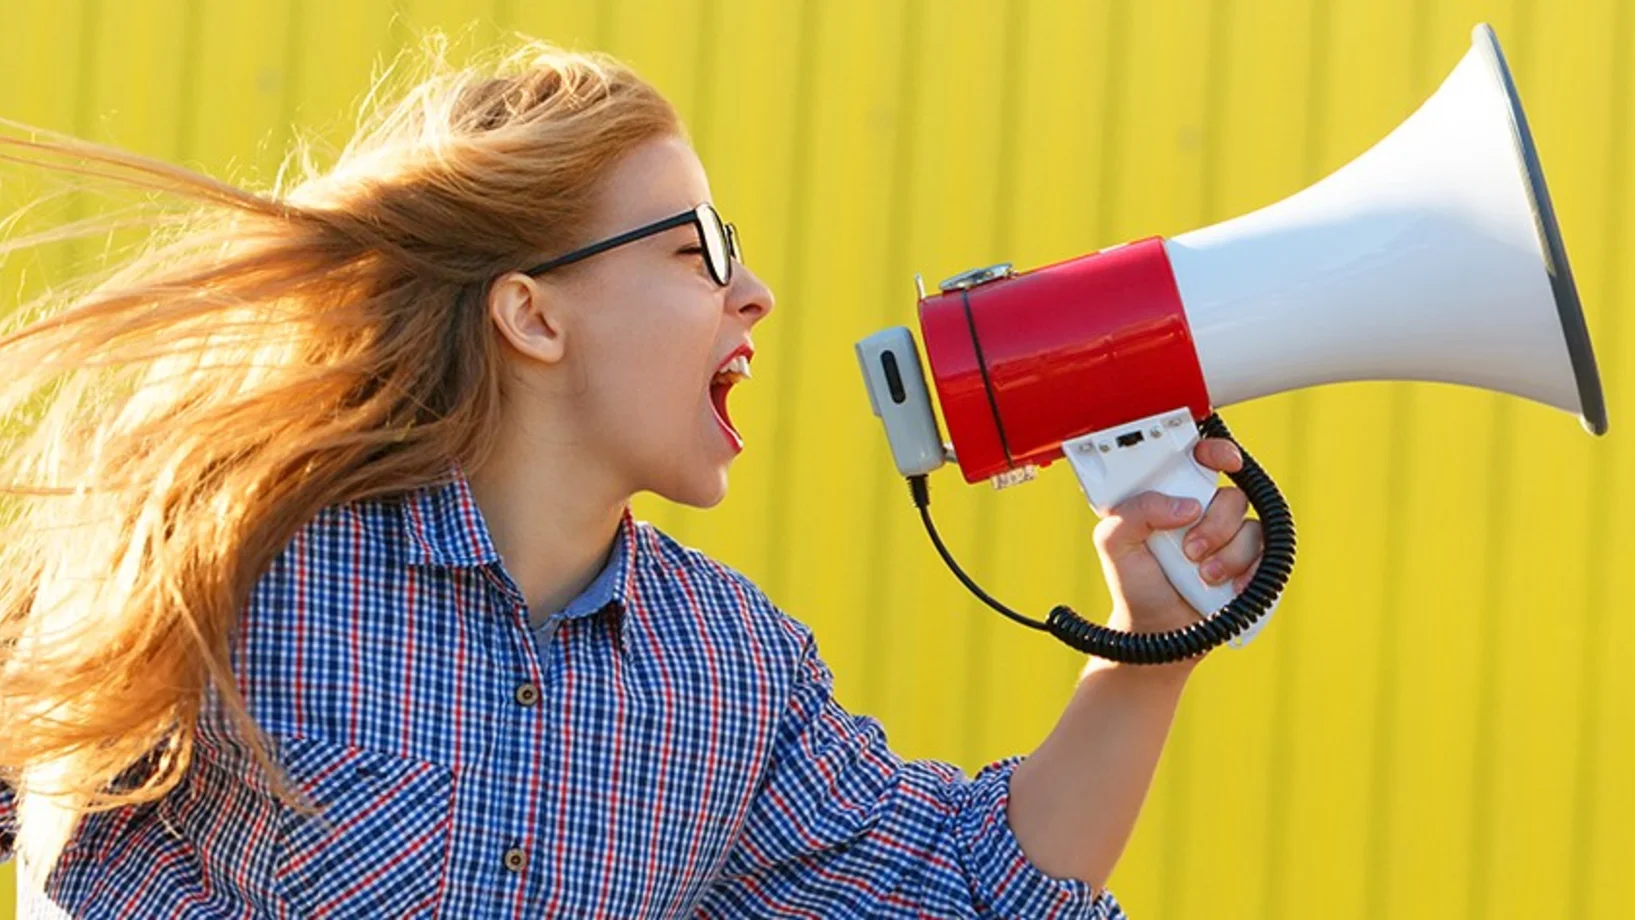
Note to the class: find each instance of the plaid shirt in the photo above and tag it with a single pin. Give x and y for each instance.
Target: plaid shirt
(667, 744)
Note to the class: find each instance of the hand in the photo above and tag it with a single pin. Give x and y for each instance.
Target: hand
(1227, 545)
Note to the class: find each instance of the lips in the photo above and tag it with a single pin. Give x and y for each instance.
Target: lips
(732, 369)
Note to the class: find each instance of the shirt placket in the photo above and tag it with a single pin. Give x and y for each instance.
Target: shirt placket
(519, 857)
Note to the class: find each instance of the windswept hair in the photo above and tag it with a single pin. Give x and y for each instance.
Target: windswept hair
(165, 431)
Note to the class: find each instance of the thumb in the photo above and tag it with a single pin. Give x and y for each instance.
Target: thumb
(1127, 528)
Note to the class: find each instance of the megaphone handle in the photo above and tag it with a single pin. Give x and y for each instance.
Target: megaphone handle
(1183, 573)
(1156, 454)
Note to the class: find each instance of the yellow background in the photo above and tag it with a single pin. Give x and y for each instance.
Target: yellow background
(1435, 725)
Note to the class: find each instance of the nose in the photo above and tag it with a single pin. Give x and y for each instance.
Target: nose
(749, 296)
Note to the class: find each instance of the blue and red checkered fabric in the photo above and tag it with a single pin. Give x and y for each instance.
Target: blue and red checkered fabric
(666, 745)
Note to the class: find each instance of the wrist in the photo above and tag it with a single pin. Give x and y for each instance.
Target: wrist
(1152, 618)
(1123, 620)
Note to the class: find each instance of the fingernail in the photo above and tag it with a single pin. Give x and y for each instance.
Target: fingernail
(1195, 548)
(1185, 507)
(1211, 571)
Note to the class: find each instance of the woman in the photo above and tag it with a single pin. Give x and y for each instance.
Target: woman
(322, 596)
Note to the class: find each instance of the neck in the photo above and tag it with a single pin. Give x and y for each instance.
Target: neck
(552, 517)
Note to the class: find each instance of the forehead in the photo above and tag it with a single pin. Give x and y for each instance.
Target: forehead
(660, 178)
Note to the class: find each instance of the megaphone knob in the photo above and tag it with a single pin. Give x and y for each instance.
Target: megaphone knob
(976, 276)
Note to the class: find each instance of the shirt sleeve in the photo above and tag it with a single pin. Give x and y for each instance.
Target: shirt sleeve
(8, 821)
(841, 826)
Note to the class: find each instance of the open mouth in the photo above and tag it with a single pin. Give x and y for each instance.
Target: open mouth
(732, 371)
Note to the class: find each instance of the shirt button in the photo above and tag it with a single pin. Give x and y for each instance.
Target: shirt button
(527, 694)
(515, 859)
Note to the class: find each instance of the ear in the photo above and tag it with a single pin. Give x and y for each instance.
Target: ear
(529, 315)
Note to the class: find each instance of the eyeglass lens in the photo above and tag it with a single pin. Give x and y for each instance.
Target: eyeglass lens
(715, 245)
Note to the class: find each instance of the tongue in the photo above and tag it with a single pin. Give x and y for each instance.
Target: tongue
(718, 399)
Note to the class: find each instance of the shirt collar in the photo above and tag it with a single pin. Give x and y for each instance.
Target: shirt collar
(446, 528)
(444, 525)
(607, 588)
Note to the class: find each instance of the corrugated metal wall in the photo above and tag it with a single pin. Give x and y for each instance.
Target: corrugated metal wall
(1435, 725)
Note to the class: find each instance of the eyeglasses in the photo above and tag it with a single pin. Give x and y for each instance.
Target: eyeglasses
(718, 240)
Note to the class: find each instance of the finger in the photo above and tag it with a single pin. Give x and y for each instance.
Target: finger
(1131, 523)
(1219, 454)
(1241, 583)
(1219, 523)
(1235, 558)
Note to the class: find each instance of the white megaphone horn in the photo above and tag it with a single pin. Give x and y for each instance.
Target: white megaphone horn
(1434, 256)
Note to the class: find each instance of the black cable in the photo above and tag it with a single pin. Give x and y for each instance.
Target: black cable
(922, 500)
(1276, 564)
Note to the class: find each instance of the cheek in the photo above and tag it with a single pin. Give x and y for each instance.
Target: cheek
(651, 371)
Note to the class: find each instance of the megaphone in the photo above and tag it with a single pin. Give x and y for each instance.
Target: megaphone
(1434, 256)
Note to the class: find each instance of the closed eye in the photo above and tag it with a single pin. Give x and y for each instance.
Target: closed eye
(698, 253)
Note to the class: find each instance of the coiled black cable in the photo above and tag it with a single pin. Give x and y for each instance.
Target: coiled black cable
(1276, 564)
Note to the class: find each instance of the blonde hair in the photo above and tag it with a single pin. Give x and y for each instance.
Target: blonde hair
(167, 431)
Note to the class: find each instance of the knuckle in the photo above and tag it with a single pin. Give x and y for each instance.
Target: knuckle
(1216, 452)
(1141, 507)
(1217, 526)
(1226, 513)
(1246, 546)
(1106, 531)
(1155, 504)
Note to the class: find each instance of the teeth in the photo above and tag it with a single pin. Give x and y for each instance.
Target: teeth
(735, 370)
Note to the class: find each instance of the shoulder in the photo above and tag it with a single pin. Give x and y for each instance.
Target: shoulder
(686, 581)
(341, 538)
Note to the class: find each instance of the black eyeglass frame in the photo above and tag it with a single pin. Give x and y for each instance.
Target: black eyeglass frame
(700, 217)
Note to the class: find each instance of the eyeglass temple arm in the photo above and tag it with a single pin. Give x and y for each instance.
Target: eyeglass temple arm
(629, 236)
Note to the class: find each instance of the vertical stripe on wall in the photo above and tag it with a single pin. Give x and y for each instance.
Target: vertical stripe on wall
(1433, 725)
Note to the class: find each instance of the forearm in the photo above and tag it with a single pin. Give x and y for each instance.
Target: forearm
(1074, 801)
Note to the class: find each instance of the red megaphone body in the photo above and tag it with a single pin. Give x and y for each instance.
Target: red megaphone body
(1025, 362)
